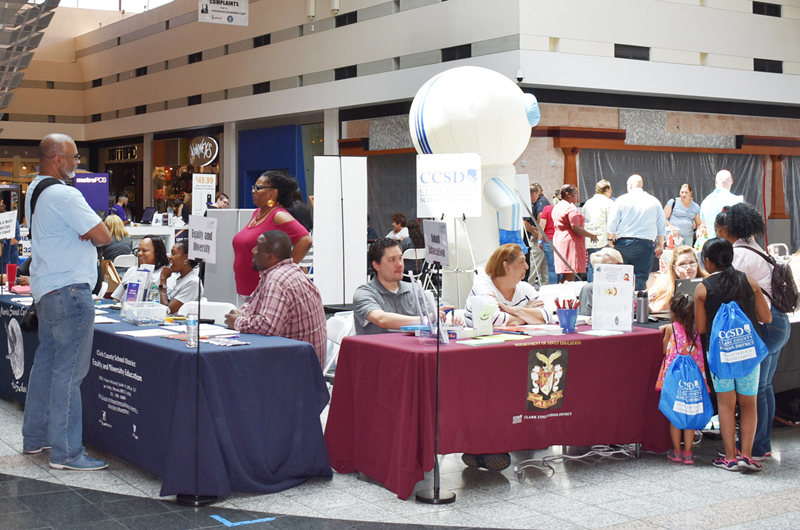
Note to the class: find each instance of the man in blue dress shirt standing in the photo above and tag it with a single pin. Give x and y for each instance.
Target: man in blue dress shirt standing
(64, 233)
(636, 225)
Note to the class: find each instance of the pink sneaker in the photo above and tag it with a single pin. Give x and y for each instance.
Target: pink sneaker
(675, 457)
(688, 458)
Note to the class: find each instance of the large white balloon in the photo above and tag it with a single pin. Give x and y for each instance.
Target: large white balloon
(471, 110)
(475, 110)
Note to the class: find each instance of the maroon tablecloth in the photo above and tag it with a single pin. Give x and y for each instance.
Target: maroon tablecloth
(381, 418)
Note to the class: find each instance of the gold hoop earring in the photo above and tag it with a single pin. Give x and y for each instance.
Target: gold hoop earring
(270, 203)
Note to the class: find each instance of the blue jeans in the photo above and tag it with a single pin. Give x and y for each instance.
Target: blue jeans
(552, 277)
(640, 254)
(775, 336)
(589, 268)
(53, 409)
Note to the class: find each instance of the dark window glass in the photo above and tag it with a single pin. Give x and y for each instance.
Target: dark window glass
(195, 57)
(457, 52)
(770, 10)
(261, 40)
(5, 117)
(51, 118)
(261, 88)
(96, 83)
(345, 72)
(625, 51)
(141, 109)
(141, 71)
(346, 19)
(51, 85)
(195, 100)
(95, 118)
(768, 65)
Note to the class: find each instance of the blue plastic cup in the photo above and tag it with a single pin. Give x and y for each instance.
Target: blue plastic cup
(567, 318)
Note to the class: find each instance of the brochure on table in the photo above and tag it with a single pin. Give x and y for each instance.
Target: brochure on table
(139, 284)
(612, 297)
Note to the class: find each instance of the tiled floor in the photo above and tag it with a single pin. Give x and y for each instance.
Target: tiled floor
(606, 492)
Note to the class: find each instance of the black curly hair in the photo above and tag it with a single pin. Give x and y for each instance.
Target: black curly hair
(378, 248)
(743, 221)
(284, 184)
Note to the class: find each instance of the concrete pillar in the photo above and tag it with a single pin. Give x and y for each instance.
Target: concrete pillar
(331, 132)
(229, 163)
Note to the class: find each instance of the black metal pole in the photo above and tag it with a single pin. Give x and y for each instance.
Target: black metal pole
(196, 500)
(435, 496)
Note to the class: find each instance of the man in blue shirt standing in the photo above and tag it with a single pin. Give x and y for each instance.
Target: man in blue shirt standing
(536, 258)
(119, 208)
(64, 233)
(635, 222)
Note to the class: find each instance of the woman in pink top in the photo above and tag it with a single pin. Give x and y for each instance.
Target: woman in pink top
(569, 238)
(272, 191)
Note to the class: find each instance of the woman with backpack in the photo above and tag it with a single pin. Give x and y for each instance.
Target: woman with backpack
(738, 224)
(725, 284)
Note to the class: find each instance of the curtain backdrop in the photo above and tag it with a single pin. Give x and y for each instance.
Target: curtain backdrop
(391, 189)
(791, 184)
(664, 172)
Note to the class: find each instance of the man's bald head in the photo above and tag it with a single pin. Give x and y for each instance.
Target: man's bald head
(53, 144)
(278, 243)
(635, 181)
(724, 179)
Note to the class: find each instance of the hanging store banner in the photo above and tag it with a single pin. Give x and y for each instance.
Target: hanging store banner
(94, 187)
(229, 12)
(202, 151)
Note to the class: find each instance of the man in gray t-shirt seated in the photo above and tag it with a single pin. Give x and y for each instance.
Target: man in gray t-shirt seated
(385, 302)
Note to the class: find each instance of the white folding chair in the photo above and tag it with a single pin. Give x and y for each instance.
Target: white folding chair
(103, 289)
(126, 262)
(215, 310)
(340, 325)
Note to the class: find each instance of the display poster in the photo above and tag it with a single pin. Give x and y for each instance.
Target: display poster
(449, 185)
(612, 297)
(8, 224)
(436, 242)
(203, 238)
(230, 12)
(94, 188)
(204, 189)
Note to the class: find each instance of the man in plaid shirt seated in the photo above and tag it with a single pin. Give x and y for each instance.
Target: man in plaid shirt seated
(285, 303)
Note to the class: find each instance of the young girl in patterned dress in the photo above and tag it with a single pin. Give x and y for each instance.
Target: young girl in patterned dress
(680, 338)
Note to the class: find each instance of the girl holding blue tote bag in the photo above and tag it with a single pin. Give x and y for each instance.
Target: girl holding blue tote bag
(725, 284)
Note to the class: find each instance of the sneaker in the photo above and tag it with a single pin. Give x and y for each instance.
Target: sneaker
(493, 462)
(747, 465)
(82, 462)
(722, 454)
(759, 458)
(724, 463)
(688, 458)
(675, 457)
(36, 451)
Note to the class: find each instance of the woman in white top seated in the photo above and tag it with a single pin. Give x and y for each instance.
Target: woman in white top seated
(518, 301)
(152, 251)
(188, 280)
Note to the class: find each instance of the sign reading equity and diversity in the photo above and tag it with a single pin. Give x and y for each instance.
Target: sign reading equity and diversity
(203, 238)
(449, 185)
(230, 12)
(436, 242)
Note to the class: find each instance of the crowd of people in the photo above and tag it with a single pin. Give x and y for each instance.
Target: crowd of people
(282, 300)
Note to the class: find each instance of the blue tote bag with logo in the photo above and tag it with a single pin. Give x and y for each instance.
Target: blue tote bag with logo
(734, 346)
(684, 397)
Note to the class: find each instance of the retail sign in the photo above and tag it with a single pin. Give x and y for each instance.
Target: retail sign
(449, 185)
(230, 12)
(204, 188)
(203, 238)
(94, 187)
(202, 151)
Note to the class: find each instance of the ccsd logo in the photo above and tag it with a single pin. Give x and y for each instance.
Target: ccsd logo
(548, 378)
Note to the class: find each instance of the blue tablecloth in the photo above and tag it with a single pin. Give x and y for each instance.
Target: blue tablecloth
(259, 410)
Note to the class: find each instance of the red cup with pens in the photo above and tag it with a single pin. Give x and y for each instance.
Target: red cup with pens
(567, 314)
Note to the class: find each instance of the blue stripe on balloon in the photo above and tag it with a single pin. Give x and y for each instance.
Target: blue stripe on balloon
(515, 211)
(423, 139)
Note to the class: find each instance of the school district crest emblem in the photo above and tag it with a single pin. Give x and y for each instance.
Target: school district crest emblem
(548, 378)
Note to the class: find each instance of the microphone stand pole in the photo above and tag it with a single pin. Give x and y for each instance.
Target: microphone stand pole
(196, 500)
(435, 496)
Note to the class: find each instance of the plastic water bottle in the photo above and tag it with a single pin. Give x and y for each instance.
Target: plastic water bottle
(191, 330)
(154, 296)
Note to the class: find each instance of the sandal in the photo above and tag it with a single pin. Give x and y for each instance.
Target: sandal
(688, 458)
(675, 457)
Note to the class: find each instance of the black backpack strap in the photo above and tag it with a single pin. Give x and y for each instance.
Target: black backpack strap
(769, 259)
(43, 185)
